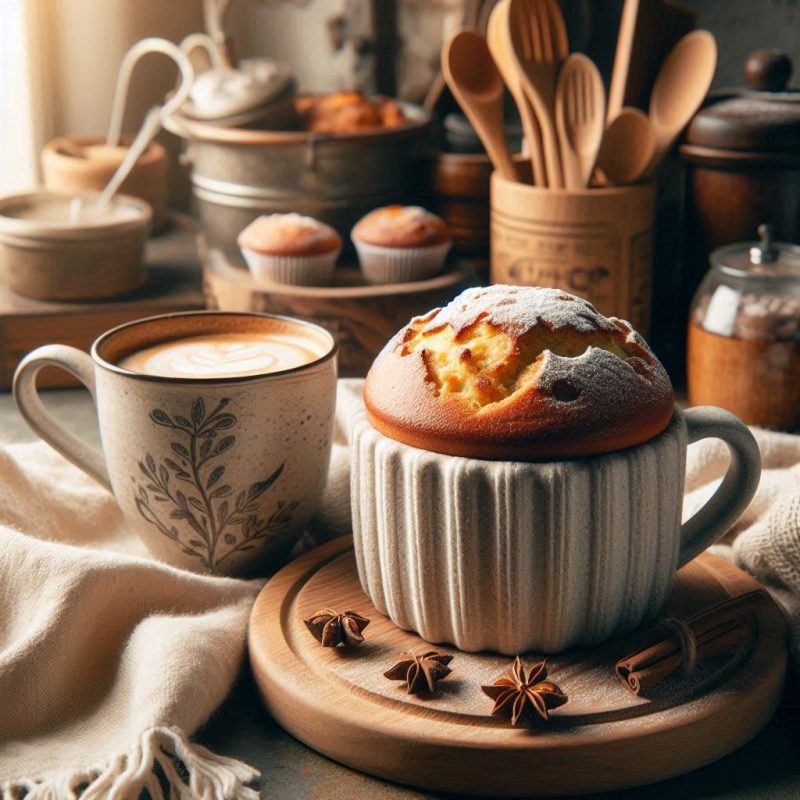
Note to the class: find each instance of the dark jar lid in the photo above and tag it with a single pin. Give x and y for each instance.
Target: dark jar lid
(759, 123)
(764, 259)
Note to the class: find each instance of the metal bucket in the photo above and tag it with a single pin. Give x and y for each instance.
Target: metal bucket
(238, 174)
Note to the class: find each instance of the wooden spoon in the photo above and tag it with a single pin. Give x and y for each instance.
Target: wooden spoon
(499, 41)
(476, 84)
(471, 18)
(679, 90)
(580, 112)
(627, 148)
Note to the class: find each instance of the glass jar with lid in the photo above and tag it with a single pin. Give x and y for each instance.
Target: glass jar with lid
(743, 349)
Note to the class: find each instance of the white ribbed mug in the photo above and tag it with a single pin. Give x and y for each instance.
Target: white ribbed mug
(515, 556)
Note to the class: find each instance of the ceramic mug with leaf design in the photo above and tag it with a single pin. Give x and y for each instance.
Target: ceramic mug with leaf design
(216, 430)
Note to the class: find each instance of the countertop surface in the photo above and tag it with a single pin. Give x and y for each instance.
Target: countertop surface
(767, 768)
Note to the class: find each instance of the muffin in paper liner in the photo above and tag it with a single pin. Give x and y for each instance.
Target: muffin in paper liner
(295, 270)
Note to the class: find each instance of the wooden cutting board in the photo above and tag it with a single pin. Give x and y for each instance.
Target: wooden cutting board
(338, 702)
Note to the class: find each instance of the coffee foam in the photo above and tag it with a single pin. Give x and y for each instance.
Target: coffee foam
(224, 355)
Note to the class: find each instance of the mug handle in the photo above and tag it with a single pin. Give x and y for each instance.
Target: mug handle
(735, 492)
(33, 410)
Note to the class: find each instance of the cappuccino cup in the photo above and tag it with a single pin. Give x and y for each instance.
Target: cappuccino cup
(216, 431)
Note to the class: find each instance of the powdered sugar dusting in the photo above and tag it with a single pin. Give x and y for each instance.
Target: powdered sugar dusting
(599, 379)
(414, 215)
(266, 229)
(517, 309)
(614, 360)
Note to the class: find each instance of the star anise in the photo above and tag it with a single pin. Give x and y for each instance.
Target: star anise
(420, 672)
(517, 693)
(334, 628)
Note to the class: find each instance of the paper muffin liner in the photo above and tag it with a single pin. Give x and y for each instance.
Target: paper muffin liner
(316, 270)
(400, 264)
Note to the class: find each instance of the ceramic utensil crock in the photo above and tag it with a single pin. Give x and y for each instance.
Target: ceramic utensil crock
(595, 243)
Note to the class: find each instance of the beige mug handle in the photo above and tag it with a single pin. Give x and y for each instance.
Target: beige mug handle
(735, 492)
(42, 423)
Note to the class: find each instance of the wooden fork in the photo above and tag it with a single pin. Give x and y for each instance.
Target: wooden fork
(538, 47)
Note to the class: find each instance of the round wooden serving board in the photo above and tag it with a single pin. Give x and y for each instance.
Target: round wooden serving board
(338, 702)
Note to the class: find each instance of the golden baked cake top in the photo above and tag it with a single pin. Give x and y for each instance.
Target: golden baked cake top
(289, 235)
(513, 372)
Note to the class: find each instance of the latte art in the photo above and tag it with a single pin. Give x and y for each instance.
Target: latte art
(224, 355)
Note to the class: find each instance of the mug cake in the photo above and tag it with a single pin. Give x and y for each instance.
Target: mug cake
(523, 373)
(518, 474)
(290, 248)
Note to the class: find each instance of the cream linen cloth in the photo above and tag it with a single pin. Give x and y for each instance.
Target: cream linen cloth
(766, 540)
(110, 660)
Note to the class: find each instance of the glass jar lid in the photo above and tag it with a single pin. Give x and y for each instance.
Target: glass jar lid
(763, 259)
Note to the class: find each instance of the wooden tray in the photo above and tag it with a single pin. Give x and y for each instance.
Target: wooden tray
(339, 703)
(362, 317)
(173, 284)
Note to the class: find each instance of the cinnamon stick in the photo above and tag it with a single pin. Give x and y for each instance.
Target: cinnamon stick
(716, 629)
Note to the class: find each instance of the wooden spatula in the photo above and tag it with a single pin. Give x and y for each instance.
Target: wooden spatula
(539, 47)
(648, 31)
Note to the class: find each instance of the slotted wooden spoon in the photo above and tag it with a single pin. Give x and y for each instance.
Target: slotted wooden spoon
(538, 48)
(580, 118)
(476, 84)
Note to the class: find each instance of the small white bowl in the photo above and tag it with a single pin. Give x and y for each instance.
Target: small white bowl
(316, 270)
(400, 264)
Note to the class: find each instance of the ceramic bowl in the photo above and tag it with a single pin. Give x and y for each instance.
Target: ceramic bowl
(45, 256)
